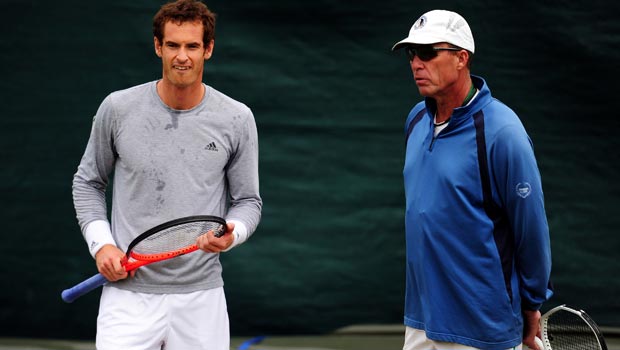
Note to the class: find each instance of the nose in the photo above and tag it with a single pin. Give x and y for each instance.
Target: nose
(182, 55)
(416, 63)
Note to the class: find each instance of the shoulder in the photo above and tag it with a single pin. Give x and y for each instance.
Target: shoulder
(421, 106)
(131, 92)
(497, 115)
(118, 104)
(225, 103)
(505, 133)
(126, 98)
(499, 118)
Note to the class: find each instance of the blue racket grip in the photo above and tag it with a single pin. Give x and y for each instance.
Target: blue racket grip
(69, 295)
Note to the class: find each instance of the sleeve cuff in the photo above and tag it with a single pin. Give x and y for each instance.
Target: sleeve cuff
(97, 234)
(240, 234)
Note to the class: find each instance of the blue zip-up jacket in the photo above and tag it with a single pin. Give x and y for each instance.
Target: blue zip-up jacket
(477, 237)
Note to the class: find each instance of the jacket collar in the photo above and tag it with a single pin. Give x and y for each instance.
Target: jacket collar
(461, 113)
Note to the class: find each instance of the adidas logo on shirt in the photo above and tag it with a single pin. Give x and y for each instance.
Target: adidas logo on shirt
(211, 147)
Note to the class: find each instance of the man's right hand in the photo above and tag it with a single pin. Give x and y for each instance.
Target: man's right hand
(109, 264)
(531, 328)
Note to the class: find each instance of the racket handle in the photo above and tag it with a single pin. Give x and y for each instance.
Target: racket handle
(69, 295)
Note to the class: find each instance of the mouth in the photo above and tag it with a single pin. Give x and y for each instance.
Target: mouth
(181, 68)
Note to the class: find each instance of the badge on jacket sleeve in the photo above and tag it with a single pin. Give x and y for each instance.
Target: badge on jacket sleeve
(524, 189)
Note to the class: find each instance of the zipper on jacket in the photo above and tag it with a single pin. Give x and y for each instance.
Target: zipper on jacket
(435, 137)
(430, 147)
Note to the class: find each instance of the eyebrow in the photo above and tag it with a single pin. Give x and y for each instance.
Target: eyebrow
(192, 43)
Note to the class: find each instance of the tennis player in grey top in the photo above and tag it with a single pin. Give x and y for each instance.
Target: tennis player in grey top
(176, 147)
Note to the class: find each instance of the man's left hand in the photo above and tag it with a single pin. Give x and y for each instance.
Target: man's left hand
(211, 244)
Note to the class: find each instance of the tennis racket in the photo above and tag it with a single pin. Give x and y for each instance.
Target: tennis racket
(162, 242)
(563, 328)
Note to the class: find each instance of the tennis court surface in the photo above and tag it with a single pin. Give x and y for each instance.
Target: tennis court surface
(350, 338)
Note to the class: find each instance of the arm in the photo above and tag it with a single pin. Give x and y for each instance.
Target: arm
(520, 189)
(89, 187)
(242, 174)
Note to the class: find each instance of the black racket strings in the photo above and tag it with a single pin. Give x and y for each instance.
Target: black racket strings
(569, 331)
(175, 237)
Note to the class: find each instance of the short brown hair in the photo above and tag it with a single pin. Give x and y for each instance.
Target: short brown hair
(181, 11)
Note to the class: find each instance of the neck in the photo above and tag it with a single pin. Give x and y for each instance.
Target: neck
(180, 98)
(460, 95)
(470, 94)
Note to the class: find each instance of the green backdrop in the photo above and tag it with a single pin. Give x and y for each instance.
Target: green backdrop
(330, 101)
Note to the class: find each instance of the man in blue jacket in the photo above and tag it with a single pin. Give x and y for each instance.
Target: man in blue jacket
(478, 253)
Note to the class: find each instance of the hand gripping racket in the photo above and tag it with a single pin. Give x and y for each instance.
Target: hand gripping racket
(162, 242)
(563, 328)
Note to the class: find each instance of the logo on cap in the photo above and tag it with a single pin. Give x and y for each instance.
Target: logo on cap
(419, 23)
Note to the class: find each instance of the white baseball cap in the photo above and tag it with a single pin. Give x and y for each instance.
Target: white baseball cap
(440, 26)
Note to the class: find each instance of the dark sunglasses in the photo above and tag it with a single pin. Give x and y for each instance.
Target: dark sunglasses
(426, 53)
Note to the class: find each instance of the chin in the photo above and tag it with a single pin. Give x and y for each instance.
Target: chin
(423, 92)
(182, 83)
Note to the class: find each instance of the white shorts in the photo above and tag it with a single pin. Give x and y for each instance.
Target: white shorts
(416, 339)
(140, 321)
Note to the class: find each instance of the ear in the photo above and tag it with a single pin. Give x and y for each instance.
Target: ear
(463, 57)
(157, 46)
(209, 50)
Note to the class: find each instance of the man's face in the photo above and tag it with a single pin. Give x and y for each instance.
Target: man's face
(183, 53)
(434, 75)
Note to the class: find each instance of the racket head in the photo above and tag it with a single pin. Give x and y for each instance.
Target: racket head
(171, 239)
(566, 328)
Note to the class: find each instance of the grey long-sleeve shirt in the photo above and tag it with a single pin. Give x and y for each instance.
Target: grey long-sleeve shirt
(168, 164)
